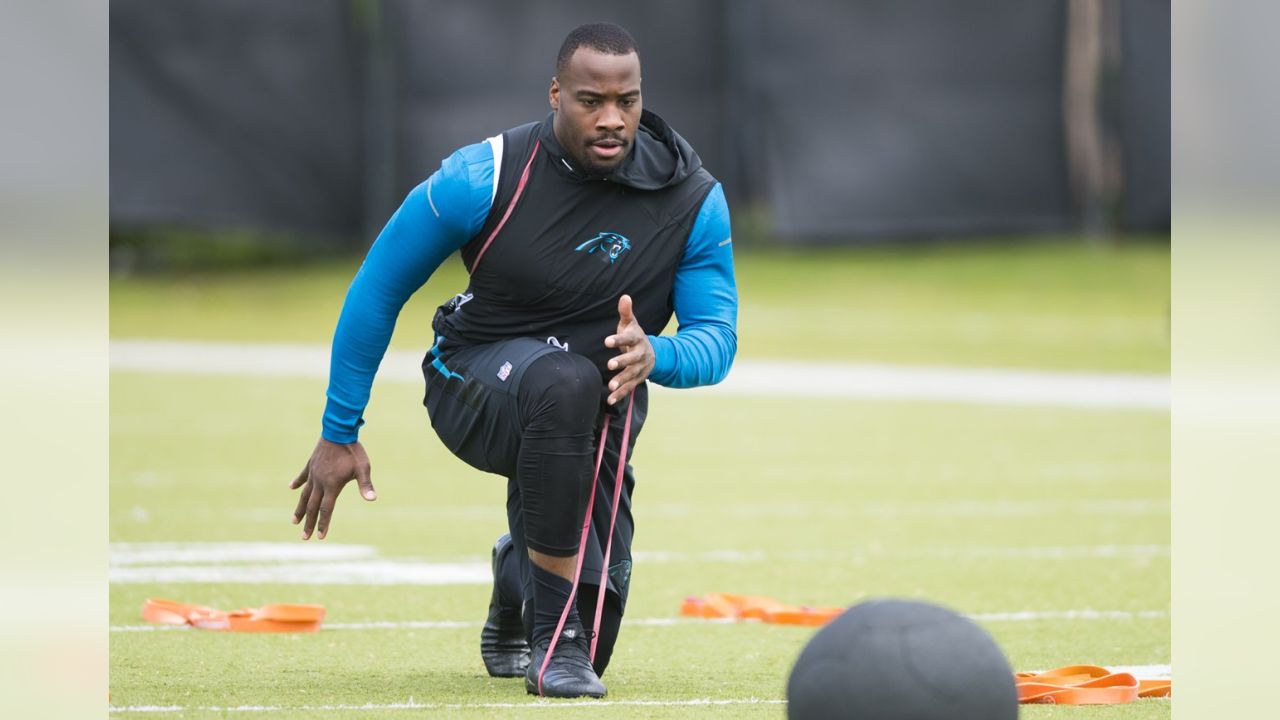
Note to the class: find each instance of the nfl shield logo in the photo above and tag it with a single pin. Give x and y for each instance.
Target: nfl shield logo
(504, 372)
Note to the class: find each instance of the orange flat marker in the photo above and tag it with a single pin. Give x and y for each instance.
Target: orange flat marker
(756, 607)
(1086, 685)
(274, 618)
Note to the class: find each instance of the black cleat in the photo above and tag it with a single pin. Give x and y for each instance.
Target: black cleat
(503, 646)
(569, 674)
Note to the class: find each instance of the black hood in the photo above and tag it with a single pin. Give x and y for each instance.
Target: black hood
(658, 158)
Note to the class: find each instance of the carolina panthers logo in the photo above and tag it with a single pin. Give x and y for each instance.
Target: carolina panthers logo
(610, 245)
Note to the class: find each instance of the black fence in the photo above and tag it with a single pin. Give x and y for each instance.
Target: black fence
(829, 121)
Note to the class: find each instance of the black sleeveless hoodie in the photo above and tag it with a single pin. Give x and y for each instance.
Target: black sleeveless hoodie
(575, 243)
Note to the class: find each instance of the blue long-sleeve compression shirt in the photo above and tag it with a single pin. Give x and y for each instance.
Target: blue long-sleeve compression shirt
(440, 215)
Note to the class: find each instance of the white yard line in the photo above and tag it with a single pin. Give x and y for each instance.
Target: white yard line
(1024, 616)
(1016, 508)
(853, 508)
(1031, 616)
(1140, 671)
(435, 624)
(364, 572)
(412, 705)
(987, 386)
(336, 564)
(219, 552)
(1059, 552)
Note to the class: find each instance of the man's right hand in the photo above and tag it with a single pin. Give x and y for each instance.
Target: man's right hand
(332, 466)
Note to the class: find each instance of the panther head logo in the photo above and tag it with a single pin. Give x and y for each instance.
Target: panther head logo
(610, 245)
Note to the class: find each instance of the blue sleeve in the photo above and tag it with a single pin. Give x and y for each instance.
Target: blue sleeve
(438, 217)
(706, 304)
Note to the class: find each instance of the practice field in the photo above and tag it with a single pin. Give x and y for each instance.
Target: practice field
(1047, 523)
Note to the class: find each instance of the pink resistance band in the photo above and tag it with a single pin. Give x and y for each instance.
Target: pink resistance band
(582, 546)
(515, 198)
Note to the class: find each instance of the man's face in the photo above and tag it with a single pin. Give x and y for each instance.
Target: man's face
(596, 100)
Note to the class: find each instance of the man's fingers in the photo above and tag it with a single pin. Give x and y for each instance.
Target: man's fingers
(629, 375)
(326, 512)
(625, 338)
(625, 316)
(625, 381)
(299, 511)
(365, 482)
(621, 392)
(302, 477)
(626, 359)
(313, 510)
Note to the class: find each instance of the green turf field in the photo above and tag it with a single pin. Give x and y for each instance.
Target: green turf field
(1047, 305)
(1009, 513)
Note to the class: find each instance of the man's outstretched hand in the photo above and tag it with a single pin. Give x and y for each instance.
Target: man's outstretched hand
(331, 467)
(636, 359)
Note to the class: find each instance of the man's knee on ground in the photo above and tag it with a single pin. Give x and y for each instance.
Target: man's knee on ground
(560, 394)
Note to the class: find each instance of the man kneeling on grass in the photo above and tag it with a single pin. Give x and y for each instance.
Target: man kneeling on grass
(581, 233)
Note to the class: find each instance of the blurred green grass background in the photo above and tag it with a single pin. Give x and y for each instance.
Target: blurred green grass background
(986, 509)
(1053, 305)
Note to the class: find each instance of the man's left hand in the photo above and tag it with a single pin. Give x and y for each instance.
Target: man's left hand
(636, 359)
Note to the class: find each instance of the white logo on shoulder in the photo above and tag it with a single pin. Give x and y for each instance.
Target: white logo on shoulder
(504, 372)
(553, 340)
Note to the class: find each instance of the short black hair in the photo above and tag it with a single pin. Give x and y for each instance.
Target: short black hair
(600, 36)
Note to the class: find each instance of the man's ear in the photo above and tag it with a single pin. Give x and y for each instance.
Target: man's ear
(553, 95)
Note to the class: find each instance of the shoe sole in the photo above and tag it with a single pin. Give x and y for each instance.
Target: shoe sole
(532, 689)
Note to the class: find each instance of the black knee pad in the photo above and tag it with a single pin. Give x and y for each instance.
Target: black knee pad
(560, 393)
(558, 399)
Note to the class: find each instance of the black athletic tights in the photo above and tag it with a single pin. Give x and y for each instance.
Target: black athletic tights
(558, 399)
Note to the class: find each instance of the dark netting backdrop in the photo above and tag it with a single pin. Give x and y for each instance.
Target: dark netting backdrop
(1145, 106)
(236, 113)
(909, 118)
(833, 121)
(470, 69)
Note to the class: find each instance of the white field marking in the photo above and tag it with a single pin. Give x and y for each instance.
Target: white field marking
(439, 624)
(444, 624)
(1032, 616)
(220, 552)
(1023, 616)
(1055, 552)
(986, 386)
(893, 509)
(285, 563)
(440, 512)
(537, 704)
(1153, 672)
(1062, 552)
(1017, 508)
(336, 564)
(874, 508)
(365, 572)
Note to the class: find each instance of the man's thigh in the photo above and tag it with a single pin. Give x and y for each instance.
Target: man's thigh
(472, 395)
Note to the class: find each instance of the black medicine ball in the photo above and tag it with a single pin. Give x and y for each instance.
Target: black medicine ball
(901, 660)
